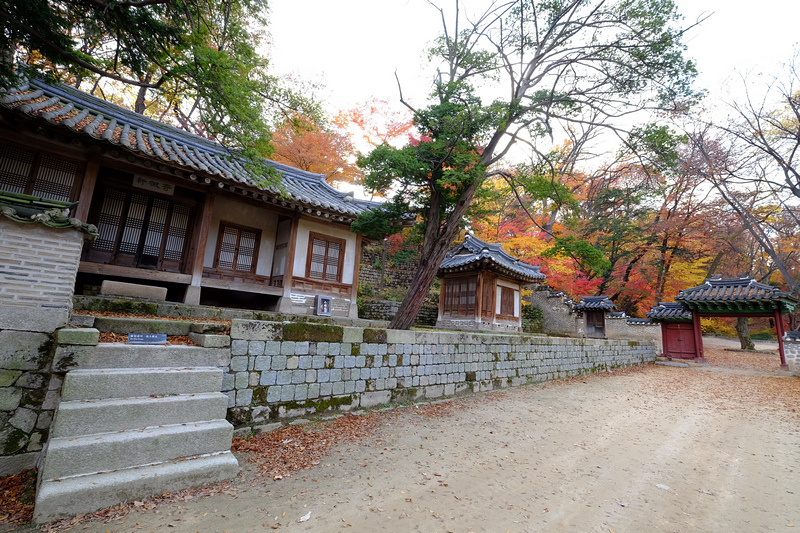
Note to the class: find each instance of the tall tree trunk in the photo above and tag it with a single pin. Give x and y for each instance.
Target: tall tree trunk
(743, 330)
(436, 244)
(140, 106)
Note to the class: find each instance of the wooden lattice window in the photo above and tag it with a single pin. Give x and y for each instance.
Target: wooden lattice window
(507, 302)
(37, 174)
(237, 248)
(460, 296)
(325, 258)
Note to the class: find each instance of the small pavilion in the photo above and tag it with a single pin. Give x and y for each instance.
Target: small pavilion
(594, 309)
(722, 297)
(481, 287)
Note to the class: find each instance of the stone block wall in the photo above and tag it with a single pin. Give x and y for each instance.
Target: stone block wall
(791, 349)
(387, 309)
(393, 278)
(281, 370)
(38, 266)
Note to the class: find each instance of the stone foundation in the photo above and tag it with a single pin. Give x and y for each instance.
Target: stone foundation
(284, 370)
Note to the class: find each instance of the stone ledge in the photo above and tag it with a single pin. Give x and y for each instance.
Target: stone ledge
(210, 341)
(133, 290)
(81, 337)
(14, 464)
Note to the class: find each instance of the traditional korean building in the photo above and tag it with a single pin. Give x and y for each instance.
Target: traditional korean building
(723, 297)
(594, 309)
(177, 211)
(481, 287)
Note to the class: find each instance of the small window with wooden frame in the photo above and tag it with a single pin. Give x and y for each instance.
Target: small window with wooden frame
(508, 308)
(38, 174)
(325, 258)
(237, 248)
(460, 295)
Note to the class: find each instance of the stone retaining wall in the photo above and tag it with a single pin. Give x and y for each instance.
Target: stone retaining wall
(387, 309)
(392, 278)
(38, 266)
(282, 370)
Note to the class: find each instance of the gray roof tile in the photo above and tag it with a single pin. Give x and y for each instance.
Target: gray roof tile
(595, 303)
(82, 114)
(474, 253)
(669, 312)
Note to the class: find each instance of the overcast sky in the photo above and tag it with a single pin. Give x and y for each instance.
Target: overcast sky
(355, 46)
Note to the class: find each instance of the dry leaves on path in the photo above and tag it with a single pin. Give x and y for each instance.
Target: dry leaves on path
(17, 495)
(282, 452)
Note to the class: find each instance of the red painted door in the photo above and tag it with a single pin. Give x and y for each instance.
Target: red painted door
(679, 341)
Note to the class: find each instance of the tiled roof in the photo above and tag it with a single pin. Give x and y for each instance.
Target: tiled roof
(51, 213)
(595, 303)
(639, 321)
(473, 254)
(669, 312)
(736, 295)
(85, 115)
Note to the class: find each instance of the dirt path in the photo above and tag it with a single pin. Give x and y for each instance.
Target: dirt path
(658, 449)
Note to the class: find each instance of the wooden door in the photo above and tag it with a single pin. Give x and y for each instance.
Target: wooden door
(679, 341)
(595, 324)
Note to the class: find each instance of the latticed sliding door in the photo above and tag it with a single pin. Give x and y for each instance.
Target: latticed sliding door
(141, 231)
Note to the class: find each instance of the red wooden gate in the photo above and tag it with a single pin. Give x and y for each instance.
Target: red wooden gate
(679, 340)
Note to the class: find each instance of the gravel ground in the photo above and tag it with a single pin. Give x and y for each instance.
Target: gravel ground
(705, 448)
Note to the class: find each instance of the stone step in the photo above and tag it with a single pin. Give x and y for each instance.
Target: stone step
(83, 494)
(71, 456)
(102, 383)
(87, 417)
(118, 355)
(123, 325)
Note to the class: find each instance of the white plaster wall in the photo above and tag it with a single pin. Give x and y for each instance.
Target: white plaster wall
(244, 214)
(305, 227)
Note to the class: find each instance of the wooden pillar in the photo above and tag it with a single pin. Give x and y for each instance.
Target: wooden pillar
(289, 272)
(698, 336)
(780, 331)
(285, 304)
(192, 295)
(479, 299)
(356, 271)
(87, 190)
(663, 339)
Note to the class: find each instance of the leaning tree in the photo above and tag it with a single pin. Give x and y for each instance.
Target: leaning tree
(537, 64)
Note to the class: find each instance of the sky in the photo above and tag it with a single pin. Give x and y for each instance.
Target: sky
(355, 47)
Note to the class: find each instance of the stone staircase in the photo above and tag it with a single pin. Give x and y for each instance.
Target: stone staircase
(135, 421)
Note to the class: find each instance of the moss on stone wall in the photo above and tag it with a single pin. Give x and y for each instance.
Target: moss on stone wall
(375, 335)
(312, 332)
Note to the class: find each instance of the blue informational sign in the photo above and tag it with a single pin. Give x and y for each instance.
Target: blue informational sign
(147, 338)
